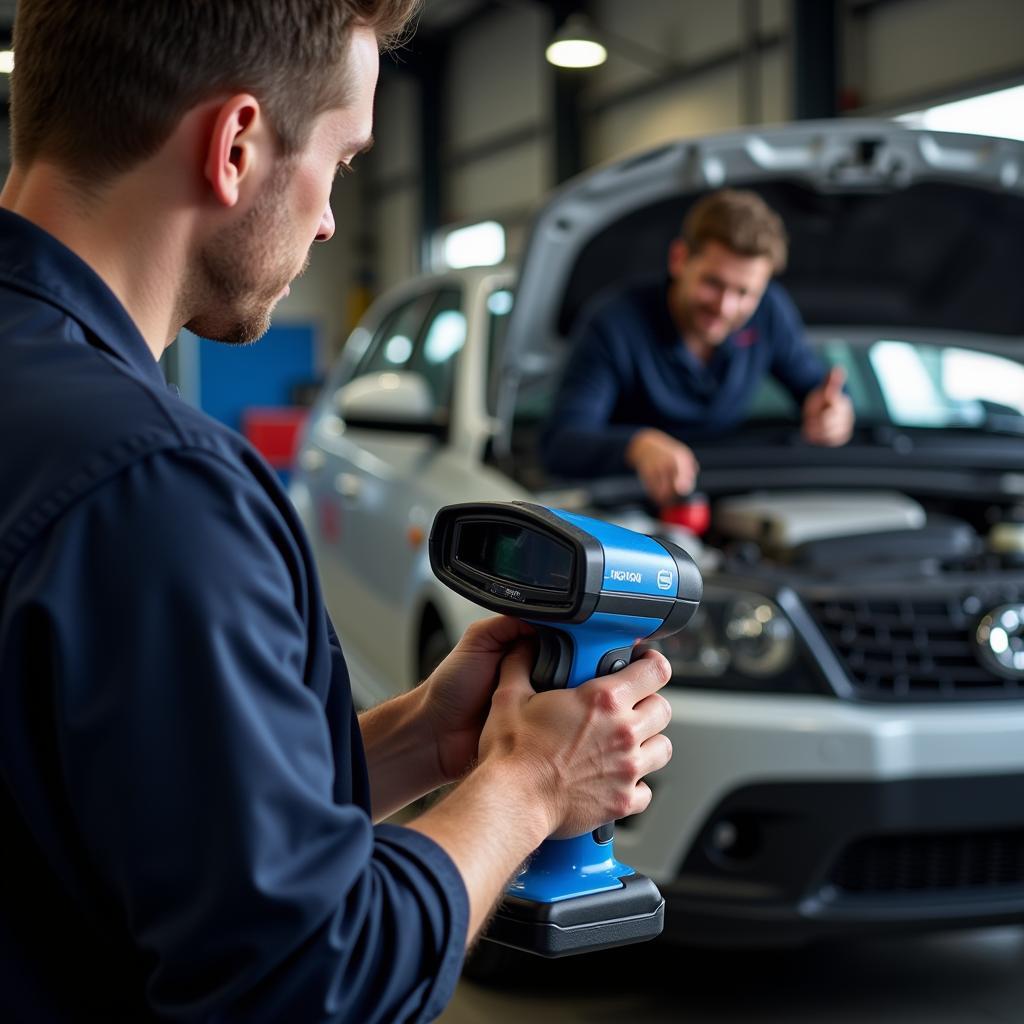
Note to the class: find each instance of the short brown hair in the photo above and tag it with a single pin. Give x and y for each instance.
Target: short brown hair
(99, 86)
(740, 220)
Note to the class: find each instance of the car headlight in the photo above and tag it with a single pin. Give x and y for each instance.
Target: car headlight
(758, 636)
(738, 640)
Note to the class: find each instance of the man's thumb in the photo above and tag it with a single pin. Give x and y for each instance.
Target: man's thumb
(834, 382)
(517, 665)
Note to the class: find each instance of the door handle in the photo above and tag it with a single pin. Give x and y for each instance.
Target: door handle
(312, 460)
(348, 485)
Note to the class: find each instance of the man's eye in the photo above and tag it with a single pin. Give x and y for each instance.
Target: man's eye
(342, 169)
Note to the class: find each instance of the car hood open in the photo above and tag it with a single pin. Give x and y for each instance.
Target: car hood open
(888, 225)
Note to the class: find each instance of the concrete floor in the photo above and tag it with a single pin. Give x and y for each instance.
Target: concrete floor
(955, 978)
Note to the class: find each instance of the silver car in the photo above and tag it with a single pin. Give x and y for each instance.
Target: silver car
(849, 704)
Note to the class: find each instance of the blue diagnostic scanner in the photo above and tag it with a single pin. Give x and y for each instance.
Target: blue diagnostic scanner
(593, 590)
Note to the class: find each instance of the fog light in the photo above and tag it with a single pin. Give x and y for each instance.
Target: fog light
(724, 835)
(731, 840)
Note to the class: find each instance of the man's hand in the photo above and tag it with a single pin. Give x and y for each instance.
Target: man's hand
(556, 763)
(457, 694)
(589, 748)
(665, 466)
(828, 412)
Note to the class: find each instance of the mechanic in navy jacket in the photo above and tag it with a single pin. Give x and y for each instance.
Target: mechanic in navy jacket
(658, 365)
(187, 797)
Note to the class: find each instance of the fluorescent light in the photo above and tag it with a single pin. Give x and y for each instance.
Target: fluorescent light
(6, 62)
(477, 245)
(576, 45)
(995, 113)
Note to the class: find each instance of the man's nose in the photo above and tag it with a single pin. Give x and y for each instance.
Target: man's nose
(719, 301)
(326, 229)
(729, 303)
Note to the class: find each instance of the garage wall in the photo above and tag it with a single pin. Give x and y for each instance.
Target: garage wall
(682, 31)
(496, 152)
(710, 103)
(899, 53)
(388, 182)
(703, 68)
(496, 81)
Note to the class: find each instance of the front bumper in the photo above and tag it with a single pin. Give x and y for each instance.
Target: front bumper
(782, 819)
(785, 863)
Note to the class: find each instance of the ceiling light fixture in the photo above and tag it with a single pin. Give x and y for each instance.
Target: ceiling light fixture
(6, 62)
(576, 45)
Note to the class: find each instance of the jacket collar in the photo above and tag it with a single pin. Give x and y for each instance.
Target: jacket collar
(33, 262)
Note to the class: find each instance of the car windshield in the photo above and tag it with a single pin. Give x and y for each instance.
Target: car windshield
(917, 380)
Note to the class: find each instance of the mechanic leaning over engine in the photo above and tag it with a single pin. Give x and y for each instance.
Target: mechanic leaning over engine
(659, 364)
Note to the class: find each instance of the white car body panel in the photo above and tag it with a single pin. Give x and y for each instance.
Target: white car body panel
(804, 739)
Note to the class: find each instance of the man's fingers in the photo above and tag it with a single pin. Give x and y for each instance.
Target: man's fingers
(660, 484)
(641, 799)
(686, 475)
(653, 714)
(655, 753)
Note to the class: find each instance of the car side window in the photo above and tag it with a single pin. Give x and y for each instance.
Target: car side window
(444, 334)
(394, 341)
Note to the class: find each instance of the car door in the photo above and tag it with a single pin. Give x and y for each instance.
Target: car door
(353, 477)
(378, 477)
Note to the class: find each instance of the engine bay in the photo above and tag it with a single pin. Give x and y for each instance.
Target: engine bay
(835, 535)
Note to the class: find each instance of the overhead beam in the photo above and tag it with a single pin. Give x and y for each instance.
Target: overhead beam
(566, 113)
(815, 59)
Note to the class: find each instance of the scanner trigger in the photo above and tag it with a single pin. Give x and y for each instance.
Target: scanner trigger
(554, 660)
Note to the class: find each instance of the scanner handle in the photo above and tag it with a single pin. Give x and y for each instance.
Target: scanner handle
(567, 658)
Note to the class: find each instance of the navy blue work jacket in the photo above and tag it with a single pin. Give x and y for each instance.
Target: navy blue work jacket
(629, 369)
(184, 805)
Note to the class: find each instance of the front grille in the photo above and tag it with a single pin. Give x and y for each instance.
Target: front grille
(889, 865)
(909, 649)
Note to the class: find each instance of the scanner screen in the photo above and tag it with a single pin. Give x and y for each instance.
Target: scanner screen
(515, 554)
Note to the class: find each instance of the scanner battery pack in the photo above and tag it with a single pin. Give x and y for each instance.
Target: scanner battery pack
(602, 920)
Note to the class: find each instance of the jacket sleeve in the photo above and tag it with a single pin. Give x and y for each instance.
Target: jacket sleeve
(579, 439)
(200, 766)
(794, 363)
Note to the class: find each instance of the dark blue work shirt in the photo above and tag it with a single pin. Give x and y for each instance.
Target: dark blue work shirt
(184, 802)
(629, 369)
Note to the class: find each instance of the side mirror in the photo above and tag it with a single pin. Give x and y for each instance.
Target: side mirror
(390, 401)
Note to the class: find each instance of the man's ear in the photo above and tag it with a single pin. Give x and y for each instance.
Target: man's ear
(678, 254)
(232, 146)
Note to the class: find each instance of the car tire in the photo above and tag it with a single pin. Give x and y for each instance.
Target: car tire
(434, 648)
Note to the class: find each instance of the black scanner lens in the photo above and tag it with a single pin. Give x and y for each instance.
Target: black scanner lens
(514, 553)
